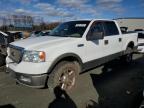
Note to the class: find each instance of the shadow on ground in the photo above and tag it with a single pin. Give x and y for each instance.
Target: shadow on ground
(7, 106)
(62, 100)
(120, 85)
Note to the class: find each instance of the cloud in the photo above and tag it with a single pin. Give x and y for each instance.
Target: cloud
(73, 3)
(28, 0)
(81, 6)
(52, 10)
(20, 11)
(142, 3)
(4, 13)
(63, 9)
(23, 1)
(109, 1)
(111, 5)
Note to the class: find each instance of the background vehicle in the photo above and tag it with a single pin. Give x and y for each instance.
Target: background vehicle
(5, 39)
(36, 34)
(70, 48)
(46, 32)
(140, 41)
(39, 33)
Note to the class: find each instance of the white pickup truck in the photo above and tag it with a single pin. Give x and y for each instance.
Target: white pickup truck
(71, 48)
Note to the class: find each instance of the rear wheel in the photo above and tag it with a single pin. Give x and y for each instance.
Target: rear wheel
(128, 58)
(64, 75)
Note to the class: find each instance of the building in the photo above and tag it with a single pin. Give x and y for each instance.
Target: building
(19, 22)
(131, 23)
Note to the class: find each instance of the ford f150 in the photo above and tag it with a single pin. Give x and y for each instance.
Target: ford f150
(71, 48)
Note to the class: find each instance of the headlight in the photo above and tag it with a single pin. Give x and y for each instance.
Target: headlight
(34, 56)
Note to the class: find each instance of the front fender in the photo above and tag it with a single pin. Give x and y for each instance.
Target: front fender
(61, 57)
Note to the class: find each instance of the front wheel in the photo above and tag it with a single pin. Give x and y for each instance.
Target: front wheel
(64, 75)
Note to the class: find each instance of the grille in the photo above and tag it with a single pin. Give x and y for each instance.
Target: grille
(15, 53)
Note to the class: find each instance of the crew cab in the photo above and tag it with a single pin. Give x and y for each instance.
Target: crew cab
(71, 48)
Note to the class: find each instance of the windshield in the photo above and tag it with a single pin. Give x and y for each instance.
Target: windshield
(70, 29)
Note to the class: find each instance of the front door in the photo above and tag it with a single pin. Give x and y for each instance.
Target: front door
(94, 48)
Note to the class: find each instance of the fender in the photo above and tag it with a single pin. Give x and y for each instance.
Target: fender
(130, 43)
(63, 56)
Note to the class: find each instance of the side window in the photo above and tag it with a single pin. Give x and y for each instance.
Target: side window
(110, 28)
(97, 27)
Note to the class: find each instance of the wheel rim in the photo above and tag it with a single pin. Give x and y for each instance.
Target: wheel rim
(67, 79)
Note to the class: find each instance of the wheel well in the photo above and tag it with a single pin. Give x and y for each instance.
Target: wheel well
(131, 45)
(67, 58)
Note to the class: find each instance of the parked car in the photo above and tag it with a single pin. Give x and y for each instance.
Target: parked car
(36, 33)
(71, 48)
(39, 33)
(140, 41)
(5, 39)
(46, 32)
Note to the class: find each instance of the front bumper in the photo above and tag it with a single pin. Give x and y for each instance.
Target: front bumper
(35, 81)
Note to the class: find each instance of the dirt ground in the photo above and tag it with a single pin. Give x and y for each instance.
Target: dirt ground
(120, 87)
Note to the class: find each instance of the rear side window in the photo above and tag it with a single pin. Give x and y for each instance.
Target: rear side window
(110, 28)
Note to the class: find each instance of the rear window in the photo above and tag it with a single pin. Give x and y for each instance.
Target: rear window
(110, 28)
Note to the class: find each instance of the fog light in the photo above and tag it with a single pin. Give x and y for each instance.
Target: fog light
(25, 79)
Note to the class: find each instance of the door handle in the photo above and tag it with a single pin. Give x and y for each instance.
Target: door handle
(80, 45)
(106, 42)
(120, 39)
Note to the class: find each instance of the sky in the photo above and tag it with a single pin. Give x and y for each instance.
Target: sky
(63, 10)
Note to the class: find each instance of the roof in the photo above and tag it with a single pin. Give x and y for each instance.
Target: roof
(91, 20)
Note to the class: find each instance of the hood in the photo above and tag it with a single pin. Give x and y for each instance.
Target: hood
(40, 42)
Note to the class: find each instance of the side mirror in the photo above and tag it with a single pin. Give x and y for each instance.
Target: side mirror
(96, 36)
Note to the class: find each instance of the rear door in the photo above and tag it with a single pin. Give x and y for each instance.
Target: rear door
(112, 40)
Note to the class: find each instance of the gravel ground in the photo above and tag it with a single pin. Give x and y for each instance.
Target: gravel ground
(121, 87)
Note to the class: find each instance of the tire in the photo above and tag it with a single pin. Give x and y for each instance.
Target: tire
(2, 60)
(128, 58)
(64, 75)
